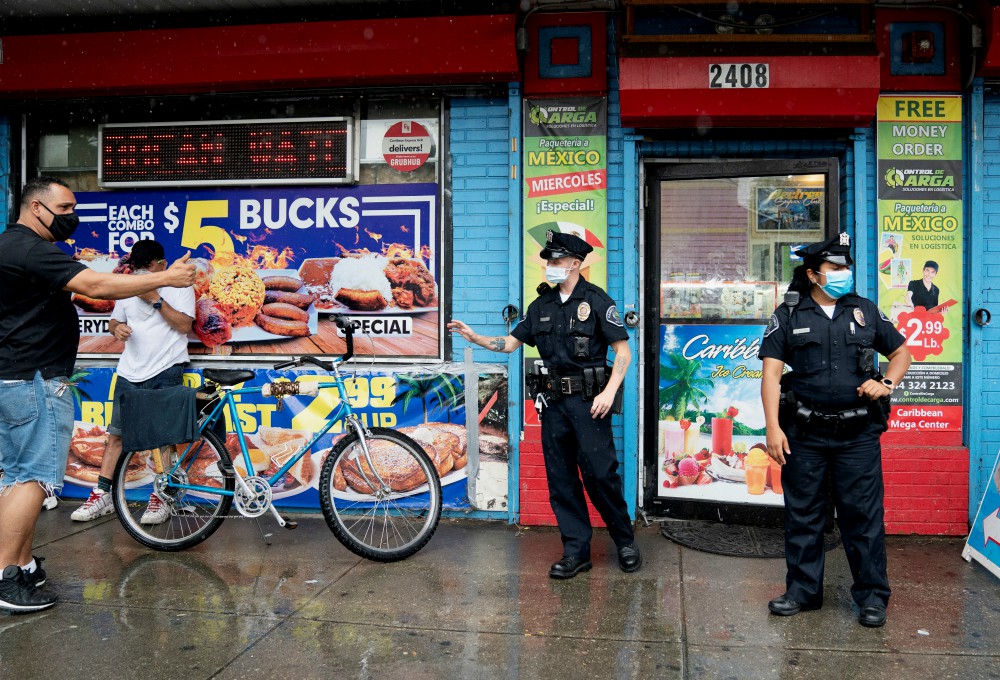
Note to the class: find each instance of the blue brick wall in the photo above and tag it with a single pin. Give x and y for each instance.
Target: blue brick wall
(5, 188)
(617, 277)
(983, 388)
(480, 183)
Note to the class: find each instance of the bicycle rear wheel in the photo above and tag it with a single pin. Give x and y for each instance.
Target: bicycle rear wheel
(382, 522)
(191, 516)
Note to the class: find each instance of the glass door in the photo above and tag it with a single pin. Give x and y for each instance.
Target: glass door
(721, 240)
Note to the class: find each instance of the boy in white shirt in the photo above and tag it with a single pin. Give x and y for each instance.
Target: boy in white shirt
(154, 328)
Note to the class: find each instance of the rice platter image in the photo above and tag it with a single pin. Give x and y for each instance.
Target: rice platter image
(360, 283)
(239, 292)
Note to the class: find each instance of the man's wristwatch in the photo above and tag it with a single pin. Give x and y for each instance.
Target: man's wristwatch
(888, 383)
(158, 304)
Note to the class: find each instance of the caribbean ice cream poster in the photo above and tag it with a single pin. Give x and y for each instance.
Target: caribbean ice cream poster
(920, 274)
(710, 429)
(275, 264)
(565, 182)
(430, 407)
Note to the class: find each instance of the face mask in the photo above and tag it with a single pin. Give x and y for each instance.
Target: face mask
(556, 275)
(62, 226)
(838, 283)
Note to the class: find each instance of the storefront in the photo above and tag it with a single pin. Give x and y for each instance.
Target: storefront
(693, 150)
(744, 155)
(253, 149)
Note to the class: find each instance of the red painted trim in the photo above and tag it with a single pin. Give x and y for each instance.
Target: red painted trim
(804, 92)
(435, 50)
(597, 83)
(951, 81)
(991, 64)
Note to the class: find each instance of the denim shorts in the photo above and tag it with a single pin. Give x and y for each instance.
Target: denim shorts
(169, 377)
(36, 426)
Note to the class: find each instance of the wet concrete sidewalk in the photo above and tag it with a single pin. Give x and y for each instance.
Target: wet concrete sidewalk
(477, 603)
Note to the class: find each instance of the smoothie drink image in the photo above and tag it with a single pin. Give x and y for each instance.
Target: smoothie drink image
(774, 476)
(757, 463)
(691, 439)
(671, 439)
(722, 436)
(692, 434)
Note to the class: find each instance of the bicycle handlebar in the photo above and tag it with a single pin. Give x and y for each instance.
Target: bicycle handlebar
(344, 324)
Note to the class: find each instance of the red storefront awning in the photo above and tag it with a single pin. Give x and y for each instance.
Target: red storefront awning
(426, 51)
(800, 92)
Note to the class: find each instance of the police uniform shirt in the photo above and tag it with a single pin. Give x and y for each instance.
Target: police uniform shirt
(923, 297)
(39, 327)
(574, 334)
(824, 353)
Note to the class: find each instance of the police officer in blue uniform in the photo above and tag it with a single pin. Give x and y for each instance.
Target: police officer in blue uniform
(824, 421)
(572, 324)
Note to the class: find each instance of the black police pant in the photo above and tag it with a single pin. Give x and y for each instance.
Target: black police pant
(574, 445)
(854, 468)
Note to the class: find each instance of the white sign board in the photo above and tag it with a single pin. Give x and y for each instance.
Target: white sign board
(983, 545)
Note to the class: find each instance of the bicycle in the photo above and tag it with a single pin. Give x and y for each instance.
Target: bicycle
(379, 490)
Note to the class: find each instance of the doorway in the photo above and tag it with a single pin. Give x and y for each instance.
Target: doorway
(720, 238)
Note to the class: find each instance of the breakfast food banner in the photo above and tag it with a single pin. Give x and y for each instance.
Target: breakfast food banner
(711, 433)
(274, 264)
(430, 407)
(920, 253)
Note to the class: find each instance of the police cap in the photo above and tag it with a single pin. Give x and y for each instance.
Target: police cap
(836, 250)
(558, 244)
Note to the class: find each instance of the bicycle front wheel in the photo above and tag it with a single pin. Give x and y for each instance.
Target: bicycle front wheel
(384, 508)
(178, 518)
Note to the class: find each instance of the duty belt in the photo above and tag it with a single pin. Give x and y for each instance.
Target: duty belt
(847, 421)
(567, 384)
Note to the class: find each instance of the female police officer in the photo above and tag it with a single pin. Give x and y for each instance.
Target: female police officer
(824, 420)
(572, 325)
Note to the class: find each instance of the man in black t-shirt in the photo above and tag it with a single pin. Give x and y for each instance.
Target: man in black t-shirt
(923, 292)
(573, 324)
(39, 335)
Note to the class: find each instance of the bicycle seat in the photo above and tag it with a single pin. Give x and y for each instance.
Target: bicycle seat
(227, 376)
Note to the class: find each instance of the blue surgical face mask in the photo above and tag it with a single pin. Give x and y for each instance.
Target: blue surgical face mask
(838, 283)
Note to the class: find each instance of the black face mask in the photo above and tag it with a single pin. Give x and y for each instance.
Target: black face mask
(62, 226)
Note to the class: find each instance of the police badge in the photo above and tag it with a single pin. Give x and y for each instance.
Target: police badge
(859, 316)
(583, 311)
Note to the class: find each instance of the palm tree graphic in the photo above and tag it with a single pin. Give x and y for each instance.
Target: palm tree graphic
(79, 394)
(438, 390)
(685, 386)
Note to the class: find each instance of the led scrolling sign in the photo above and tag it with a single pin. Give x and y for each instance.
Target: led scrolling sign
(283, 151)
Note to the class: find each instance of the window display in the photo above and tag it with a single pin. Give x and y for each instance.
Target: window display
(724, 241)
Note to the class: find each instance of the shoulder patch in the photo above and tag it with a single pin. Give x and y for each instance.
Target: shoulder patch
(772, 325)
(882, 316)
(613, 317)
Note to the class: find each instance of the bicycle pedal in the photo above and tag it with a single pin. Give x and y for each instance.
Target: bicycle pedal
(291, 525)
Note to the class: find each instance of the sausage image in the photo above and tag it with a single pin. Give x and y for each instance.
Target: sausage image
(89, 304)
(298, 299)
(284, 327)
(286, 283)
(283, 310)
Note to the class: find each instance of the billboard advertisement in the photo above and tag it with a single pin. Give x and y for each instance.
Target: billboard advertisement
(920, 253)
(428, 406)
(274, 264)
(711, 431)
